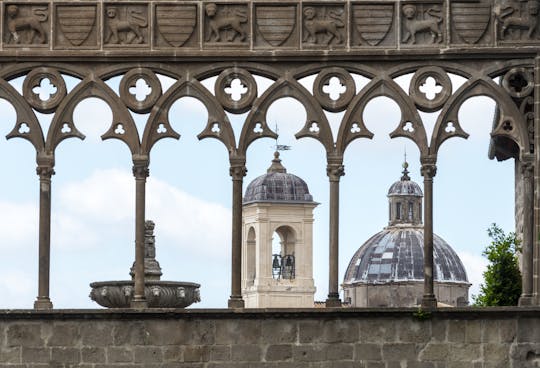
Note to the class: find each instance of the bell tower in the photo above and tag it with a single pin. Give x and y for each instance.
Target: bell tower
(277, 249)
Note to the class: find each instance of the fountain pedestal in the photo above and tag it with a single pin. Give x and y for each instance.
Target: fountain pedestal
(158, 293)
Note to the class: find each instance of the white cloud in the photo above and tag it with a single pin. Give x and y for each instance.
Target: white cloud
(18, 224)
(475, 265)
(107, 196)
(18, 288)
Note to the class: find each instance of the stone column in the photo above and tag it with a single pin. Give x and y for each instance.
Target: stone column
(536, 233)
(428, 170)
(45, 171)
(528, 224)
(237, 171)
(141, 172)
(335, 170)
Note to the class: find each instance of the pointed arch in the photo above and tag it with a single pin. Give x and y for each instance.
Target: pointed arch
(218, 125)
(25, 115)
(511, 122)
(285, 87)
(381, 86)
(122, 128)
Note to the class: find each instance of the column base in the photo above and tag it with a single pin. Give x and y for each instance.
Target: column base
(139, 303)
(236, 302)
(429, 301)
(43, 303)
(526, 300)
(333, 302)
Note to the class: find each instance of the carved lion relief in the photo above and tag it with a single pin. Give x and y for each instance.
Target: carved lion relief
(517, 20)
(226, 24)
(422, 24)
(324, 25)
(125, 24)
(26, 24)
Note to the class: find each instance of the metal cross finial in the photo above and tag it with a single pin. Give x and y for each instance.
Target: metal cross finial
(405, 172)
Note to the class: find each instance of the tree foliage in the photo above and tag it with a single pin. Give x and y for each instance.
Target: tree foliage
(502, 279)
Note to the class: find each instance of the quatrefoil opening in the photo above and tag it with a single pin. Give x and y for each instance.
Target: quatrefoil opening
(44, 89)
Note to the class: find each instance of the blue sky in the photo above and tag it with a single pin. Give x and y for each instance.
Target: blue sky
(189, 196)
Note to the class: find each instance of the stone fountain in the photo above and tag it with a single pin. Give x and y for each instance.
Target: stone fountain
(159, 294)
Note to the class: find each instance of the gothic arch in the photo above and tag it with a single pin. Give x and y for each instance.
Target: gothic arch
(480, 87)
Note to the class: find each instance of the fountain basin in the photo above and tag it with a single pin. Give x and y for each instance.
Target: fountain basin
(159, 294)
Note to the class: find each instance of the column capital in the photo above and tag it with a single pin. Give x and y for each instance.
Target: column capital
(527, 169)
(141, 171)
(45, 171)
(335, 171)
(237, 172)
(428, 170)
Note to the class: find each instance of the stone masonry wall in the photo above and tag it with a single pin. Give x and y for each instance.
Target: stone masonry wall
(348, 338)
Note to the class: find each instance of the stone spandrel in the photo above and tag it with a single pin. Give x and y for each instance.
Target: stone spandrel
(208, 29)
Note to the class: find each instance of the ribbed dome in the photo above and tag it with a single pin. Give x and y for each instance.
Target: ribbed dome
(405, 187)
(397, 254)
(277, 185)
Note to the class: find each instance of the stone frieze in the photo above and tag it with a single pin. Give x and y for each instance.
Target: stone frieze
(289, 27)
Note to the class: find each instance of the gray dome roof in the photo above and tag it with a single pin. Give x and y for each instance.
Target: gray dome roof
(277, 185)
(405, 186)
(397, 254)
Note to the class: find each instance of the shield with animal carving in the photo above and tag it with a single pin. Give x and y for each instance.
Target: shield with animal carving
(176, 23)
(470, 20)
(76, 22)
(373, 22)
(276, 23)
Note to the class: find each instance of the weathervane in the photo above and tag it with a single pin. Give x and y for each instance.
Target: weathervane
(280, 147)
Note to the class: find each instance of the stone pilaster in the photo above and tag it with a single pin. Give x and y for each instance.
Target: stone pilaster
(335, 170)
(237, 172)
(428, 170)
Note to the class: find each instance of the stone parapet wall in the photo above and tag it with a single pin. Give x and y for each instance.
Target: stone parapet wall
(359, 338)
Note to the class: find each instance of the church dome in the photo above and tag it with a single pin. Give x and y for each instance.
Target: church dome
(397, 254)
(277, 185)
(388, 269)
(405, 186)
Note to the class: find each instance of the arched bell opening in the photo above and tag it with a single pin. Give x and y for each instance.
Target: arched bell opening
(283, 253)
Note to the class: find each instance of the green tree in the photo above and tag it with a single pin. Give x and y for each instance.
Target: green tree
(502, 279)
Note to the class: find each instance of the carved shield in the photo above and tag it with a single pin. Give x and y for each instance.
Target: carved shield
(373, 21)
(176, 23)
(471, 20)
(276, 23)
(76, 22)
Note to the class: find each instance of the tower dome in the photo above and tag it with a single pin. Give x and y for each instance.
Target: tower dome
(277, 186)
(388, 269)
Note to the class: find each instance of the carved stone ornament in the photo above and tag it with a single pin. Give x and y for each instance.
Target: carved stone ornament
(517, 20)
(276, 23)
(442, 88)
(41, 99)
(226, 23)
(240, 101)
(323, 25)
(422, 24)
(26, 24)
(76, 25)
(323, 85)
(125, 24)
(140, 102)
(518, 82)
(372, 23)
(470, 21)
(176, 24)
